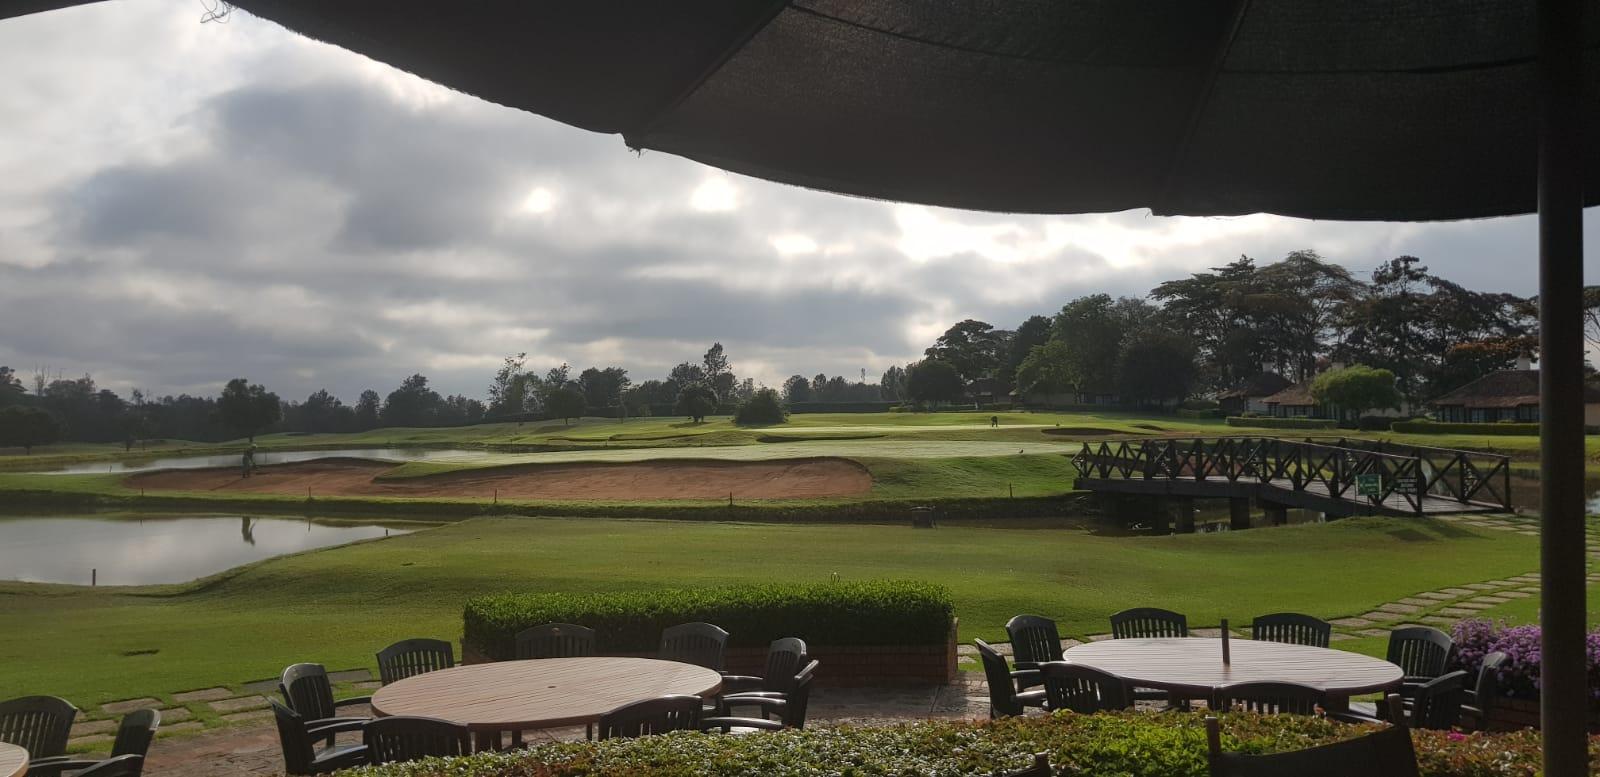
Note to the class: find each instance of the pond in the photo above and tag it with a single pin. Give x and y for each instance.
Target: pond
(148, 548)
(266, 457)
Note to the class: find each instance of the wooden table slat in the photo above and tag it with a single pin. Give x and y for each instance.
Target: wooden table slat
(540, 693)
(1194, 665)
(13, 760)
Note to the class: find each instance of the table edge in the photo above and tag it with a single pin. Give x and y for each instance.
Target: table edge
(1196, 688)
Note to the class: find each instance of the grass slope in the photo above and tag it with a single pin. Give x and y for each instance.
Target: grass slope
(339, 606)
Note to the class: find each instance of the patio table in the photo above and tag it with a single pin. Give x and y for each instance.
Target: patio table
(1192, 666)
(539, 693)
(13, 760)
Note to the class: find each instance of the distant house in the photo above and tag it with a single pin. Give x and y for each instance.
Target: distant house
(1293, 402)
(1507, 395)
(1070, 398)
(1250, 396)
(988, 391)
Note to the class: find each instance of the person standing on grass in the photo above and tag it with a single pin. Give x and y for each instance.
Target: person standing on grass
(994, 421)
(248, 465)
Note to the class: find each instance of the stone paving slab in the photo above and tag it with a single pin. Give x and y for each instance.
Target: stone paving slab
(350, 676)
(1479, 586)
(1473, 605)
(1404, 609)
(1373, 633)
(1457, 611)
(1434, 595)
(1418, 602)
(1099, 637)
(179, 728)
(1438, 620)
(175, 715)
(1455, 592)
(371, 685)
(1352, 623)
(240, 704)
(261, 686)
(1514, 594)
(1502, 583)
(1339, 636)
(246, 717)
(204, 694)
(1382, 617)
(88, 727)
(1487, 600)
(129, 705)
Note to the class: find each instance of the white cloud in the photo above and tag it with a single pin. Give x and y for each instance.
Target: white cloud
(715, 195)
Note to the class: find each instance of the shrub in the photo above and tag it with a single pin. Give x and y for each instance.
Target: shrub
(842, 407)
(836, 614)
(762, 408)
(1377, 423)
(1519, 679)
(1283, 423)
(1126, 744)
(1185, 412)
(1423, 426)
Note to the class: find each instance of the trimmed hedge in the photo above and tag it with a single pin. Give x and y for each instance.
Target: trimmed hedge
(881, 612)
(1439, 427)
(1184, 412)
(1266, 422)
(1125, 744)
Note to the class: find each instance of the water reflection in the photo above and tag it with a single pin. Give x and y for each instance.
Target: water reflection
(264, 458)
(142, 549)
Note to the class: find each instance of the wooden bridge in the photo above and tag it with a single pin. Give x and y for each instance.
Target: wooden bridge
(1338, 477)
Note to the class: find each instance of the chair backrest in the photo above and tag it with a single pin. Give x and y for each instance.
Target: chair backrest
(1292, 628)
(293, 739)
(411, 657)
(1387, 753)
(130, 765)
(1040, 768)
(38, 724)
(1034, 639)
(1420, 651)
(799, 697)
(678, 712)
(1270, 698)
(1082, 689)
(1002, 691)
(1437, 702)
(307, 691)
(555, 640)
(402, 738)
(1486, 692)
(784, 659)
(135, 732)
(701, 644)
(1148, 622)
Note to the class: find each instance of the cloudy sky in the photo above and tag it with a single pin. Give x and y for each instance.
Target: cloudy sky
(186, 202)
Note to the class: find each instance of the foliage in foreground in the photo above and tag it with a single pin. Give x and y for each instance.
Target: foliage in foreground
(855, 613)
(1519, 676)
(1104, 745)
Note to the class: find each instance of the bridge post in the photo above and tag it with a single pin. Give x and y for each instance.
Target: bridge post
(1239, 513)
(1277, 514)
(1185, 508)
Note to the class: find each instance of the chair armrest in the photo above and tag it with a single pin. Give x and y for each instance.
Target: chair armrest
(317, 728)
(55, 765)
(734, 683)
(352, 700)
(1027, 678)
(766, 703)
(726, 724)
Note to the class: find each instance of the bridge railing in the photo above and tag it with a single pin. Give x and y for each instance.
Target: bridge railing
(1357, 471)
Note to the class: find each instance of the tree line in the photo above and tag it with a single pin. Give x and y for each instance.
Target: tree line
(1214, 330)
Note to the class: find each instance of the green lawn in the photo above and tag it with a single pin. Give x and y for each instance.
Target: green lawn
(339, 606)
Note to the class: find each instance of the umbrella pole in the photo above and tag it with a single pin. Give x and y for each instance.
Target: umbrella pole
(1563, 685)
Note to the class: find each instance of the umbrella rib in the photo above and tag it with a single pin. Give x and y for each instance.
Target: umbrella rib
(1180, 150)
(636, 137)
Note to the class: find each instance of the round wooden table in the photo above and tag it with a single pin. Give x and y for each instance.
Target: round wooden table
(539, 693)
(13, 760)
(1193, 667)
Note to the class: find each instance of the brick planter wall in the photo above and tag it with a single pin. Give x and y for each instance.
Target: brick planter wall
(1511, 714)
(842, 666)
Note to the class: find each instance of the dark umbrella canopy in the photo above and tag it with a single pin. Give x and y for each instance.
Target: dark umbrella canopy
(1395, 110)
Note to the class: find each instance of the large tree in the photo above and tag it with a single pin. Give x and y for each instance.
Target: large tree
(935, 381)
(11, 389)
(1156, 366)
(1356, 389)
(765, 407)
(696, 401)
(248, 408)
(718, 372)
(603, 387)
(565, 402)
(27, 427)
(797, 389)
(413, 404)
(892, 385)
(508, 393)
(1091, 330)
(975, 348)
(367, 411)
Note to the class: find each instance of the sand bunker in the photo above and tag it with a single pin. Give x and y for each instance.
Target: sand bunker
(693, 479)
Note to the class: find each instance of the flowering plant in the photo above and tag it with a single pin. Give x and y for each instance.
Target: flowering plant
(1519, 675)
